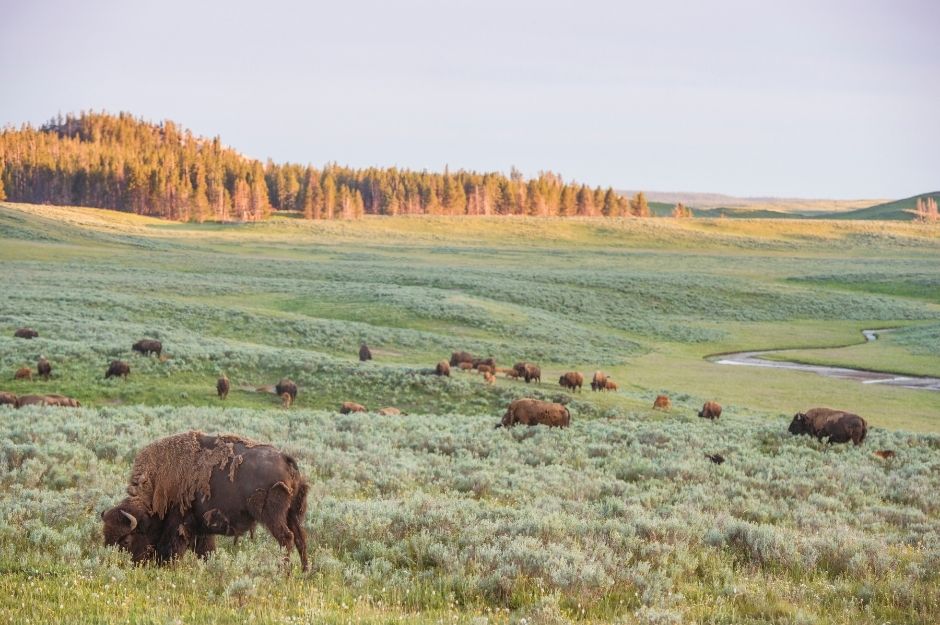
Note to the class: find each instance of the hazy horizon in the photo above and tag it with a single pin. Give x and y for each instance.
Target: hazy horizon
(830, 99)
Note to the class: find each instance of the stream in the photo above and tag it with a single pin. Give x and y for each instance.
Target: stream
(865, 376)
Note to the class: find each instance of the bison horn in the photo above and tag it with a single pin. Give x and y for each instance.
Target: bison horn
(131, 518)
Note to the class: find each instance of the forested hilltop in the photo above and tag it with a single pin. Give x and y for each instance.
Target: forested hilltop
(162, 170)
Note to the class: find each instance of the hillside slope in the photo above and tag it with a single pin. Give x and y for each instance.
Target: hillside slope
(899, 210)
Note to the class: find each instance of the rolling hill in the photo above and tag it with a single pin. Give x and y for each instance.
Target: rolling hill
(898, 210)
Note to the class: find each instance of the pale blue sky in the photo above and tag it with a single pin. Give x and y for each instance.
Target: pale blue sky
(811, 98)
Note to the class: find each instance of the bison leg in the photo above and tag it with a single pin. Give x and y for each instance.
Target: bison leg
(273, 514)
(203, 545)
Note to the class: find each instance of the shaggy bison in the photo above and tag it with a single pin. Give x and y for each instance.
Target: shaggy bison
(837, 426)
(43, 368)
(222, 387)
(286, 385)
(528, 371)
(442, 368)
(529, 411)
(710, 410)
(458, 357)
(571, 380)
(148, 346)
(662, 402)
(23, 373)
(364, 353)
(8, 399)
(26, 333)
(118, 369)
(186, 488)
(599, 382)
(351, 406)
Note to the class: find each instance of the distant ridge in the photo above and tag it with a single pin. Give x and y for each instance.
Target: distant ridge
(898, 210)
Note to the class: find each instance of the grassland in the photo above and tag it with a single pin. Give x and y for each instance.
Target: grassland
(436, 517)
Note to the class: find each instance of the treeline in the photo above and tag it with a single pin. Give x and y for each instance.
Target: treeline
(161, 170)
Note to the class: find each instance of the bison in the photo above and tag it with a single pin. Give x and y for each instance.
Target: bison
(222, 387)
(148, 346)
(532, 373)
(661, 402)
(390, 411)
(8, 399)
(571, 380)
(286, 385)
(884, 454)
(26, 333)
(458, 357)
(483, 368)
(710, 410)
(511, 373)
(30, 400)
(716, 458)
(442, 368)
(529, 411)
(118, 368)
(43, 368)
(286, 400)
(836, 426)
(489, 362)
(489, 378)
(351, 406)
(364, 353)
(599, 382)
(60, 400)
(185, 489)
(610, 385)
(23, 373)
(465, 366)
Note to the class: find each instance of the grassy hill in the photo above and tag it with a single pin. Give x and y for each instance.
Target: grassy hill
(436, 516)
(899, 210)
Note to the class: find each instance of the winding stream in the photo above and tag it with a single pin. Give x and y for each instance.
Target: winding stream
(755, 359)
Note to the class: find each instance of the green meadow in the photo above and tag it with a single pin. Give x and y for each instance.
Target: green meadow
(435, 517)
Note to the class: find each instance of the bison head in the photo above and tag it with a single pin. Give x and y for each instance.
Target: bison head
(799, 425)
(131, 527)
(507, 420)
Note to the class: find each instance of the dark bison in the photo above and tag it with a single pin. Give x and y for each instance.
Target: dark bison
(222, 387)
(286, 385)
(716, 458)
(661, 402)
(529, 411)
(43, 368)
(148, 346)
(442, 368)
(532, 373)
(351, 406)
(118, 369)
(23, 373)
(837, 426)
(599, 382)
(364, 353)
(186, 488)
(26, 333)
(458, 357)
(710, 410)
(571, 380)
(8, 399)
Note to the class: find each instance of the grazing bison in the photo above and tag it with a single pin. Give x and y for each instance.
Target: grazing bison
(465, 366)
(486, 369)
(391, 411)
(286, 385)
(610, 385)
(222, 387)
(599, 382)
(442, 368)
(662, 402)
(571, 380)
(716, 458)
(489, 378)
(30, 400)
(8, 399)
(458, 357)
(364, 353)
(60, 400)
(188, 487)
(351, 406)
(43, 368)
(837, 426)
(884, 454)
(118, 368)
(511, 373)
(23, 373)
(489, 362)
(532, 373)
(529, 411)
(26, 333)
(710, 410)
(148, 346)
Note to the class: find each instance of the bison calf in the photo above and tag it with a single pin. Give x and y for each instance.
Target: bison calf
(610, 385)
(351, 406)
(661, 403)
(23, 373)
(489, 378)
(442, 368)
(710, 410)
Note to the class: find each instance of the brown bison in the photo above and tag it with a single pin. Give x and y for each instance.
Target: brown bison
(185, 489)
(532, 373)
(529, 411)
(465, 366)
(458, 357)
(511, 373)
(8, 399)
(884, 454)
(43, 368)
(442, 368)
(351, 406)
(60, 400)
(489, 362)
(26, 333)
(489, 378)
(30, 400)
(837, 426)
(118, 369)
(222, 387)
(148, 346)
(23, 373)
(390, 411)
(599, 382)
(286, 385)
(710, 410)
(610, 385)
(364, 353)
(662, 402)
(571, 380)
(486, 369)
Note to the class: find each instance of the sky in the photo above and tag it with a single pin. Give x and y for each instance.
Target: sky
(802, 98)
